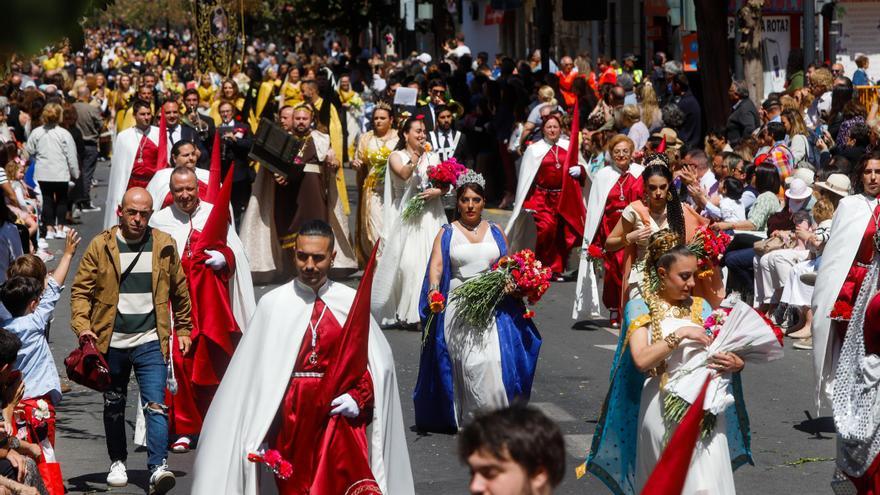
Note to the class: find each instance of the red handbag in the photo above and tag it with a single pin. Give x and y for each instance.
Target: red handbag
(86, 366)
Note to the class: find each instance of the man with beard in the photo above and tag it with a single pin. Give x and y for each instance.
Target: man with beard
(309, 376)
(199, 373)
(135, 155)
(280, 205)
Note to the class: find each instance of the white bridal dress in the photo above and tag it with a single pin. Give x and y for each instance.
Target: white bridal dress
(407, 245)
(710, 471)
(475, 352)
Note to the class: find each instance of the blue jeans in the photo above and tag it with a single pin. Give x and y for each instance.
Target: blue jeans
(150, 372)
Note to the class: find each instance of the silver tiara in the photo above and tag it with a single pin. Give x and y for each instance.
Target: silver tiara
(470, 177)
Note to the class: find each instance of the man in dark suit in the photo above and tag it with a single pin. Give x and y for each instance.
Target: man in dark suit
(744, 118)
(448, 142)
(691, 131)
(235, 143)
(179, 132)
(436, 97)
(204, 126)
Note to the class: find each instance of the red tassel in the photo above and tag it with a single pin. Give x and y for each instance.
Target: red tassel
(671, 470)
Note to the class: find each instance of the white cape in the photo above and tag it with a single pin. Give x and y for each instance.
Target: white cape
(124, 153)
(847, 229)
(588, 291)
(520, 231)
(160, 184)
(254, 385)
(176, 223)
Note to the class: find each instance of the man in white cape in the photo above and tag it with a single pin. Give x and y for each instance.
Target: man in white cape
(262, 242)
(134, 147)
(183, 154)
(851, 219)
(184, 220)
(262, 373)
(588, 291)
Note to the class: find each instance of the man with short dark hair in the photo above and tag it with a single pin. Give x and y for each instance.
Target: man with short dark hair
(300, 339)
(135, 155)
(691, 131)
(204, 126)
(235, 144)
(90, 123)
(513, 451)
(779, 153)
(436, 98)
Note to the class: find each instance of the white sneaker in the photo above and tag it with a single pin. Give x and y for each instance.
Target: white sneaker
(42, 244)
(162, 480)
(117, 476)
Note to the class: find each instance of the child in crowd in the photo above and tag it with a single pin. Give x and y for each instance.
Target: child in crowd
(30, 297)
(27, 214)
(727, 207)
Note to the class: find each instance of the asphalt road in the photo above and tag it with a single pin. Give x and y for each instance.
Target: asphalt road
(792, 450)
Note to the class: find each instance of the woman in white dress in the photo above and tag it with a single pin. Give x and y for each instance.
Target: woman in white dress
(664, 330)
(406, 246)
(463, 369)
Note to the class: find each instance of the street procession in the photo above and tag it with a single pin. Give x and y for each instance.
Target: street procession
(400, 247)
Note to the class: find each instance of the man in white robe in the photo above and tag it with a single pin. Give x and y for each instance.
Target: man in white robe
(184, 220)
(252, 406)
(133, 147)
(183, 154)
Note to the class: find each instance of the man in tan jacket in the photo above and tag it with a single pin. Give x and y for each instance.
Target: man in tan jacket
(127, 276)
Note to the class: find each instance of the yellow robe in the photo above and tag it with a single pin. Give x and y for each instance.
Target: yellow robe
(336, 144)
(292, 94)
(206, 95)
(267, 88)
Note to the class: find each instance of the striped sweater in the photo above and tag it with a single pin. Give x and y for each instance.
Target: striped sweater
(135, 314)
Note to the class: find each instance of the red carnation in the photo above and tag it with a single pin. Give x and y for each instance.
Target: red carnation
(285, 470)
(272, 457)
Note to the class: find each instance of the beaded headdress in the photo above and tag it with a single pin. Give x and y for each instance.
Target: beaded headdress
(470, 177)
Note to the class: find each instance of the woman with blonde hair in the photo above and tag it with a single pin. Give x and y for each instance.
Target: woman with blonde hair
(628, 119)
(55, 164)
(228, 92)
(650, 107)
(797, 134)
(613, 188)
(546, 96)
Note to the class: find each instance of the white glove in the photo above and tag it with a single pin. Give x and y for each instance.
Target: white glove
(216, 261)
(574, 172)
(346, 406)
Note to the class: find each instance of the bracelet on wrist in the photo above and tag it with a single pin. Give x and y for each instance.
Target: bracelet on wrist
(672, 340)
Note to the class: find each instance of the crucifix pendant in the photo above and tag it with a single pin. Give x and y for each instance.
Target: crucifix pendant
(313, 358)
(622, 197)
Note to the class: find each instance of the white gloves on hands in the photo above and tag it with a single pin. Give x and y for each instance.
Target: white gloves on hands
(346, 406)
(574, 172)
(216, 261)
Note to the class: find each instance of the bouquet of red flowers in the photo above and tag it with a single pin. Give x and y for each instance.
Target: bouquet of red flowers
(273, 460)
(440, 176)
(519, 275)
(596, 256)
(842, 311)
(709, 247)
(436, 304)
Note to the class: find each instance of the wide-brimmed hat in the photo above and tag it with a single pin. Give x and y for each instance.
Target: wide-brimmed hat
(802, 173)
(671, 137)
(837, 183)
(798, 189)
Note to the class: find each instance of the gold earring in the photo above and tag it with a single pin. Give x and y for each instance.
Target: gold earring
(669, 196)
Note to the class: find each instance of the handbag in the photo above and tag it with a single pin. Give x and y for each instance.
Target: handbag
(87, 366)
(765, 246)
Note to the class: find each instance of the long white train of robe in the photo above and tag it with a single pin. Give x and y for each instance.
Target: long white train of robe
(125, 150)
(588, 291)
(257, 378)
(847, 229)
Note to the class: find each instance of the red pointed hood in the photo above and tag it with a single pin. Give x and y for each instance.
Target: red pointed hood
(661, 148)
(671, 470)
(162, 156)
(571, 202)
(352, 360)
(217, 224)
(214, 173)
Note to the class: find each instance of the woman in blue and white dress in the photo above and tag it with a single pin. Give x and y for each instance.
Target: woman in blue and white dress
(464, 369)
(406, 244)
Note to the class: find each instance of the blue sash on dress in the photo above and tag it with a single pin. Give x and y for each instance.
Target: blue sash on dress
(612, 456)
(517, 336)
